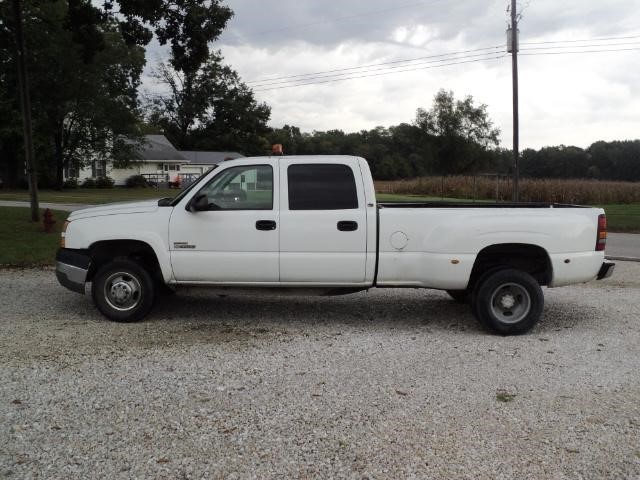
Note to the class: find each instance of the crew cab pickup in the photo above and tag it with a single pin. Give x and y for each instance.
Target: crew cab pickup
(312, 223)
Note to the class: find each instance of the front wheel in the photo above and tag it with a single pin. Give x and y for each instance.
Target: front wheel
(509, 302)
(123, 291)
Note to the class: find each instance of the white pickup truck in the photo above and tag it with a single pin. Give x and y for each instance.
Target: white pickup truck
(312, 223)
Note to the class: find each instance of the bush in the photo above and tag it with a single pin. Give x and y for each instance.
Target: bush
(89, 183)
(137, 181)
(70, 183)
(104, 182)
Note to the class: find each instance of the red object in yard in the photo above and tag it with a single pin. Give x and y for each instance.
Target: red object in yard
(48, 221)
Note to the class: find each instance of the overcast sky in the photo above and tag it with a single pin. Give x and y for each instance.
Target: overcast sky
(565, 99)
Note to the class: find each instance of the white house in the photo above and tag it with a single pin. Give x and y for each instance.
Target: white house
(159, 161)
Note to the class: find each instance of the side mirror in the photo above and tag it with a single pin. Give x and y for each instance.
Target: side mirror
(199, 203)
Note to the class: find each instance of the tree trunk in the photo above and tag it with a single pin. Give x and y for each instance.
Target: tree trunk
(25, 108)
(59, 158)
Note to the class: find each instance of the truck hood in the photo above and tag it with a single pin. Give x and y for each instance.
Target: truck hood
(147, 206)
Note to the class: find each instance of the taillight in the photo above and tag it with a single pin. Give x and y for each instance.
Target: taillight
(601, 242)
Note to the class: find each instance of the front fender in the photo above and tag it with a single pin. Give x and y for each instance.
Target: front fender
(149, 228)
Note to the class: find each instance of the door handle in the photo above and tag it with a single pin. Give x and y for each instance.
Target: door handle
(347, 226)
(265, 225)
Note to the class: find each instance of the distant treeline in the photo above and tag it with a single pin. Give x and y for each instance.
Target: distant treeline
(407, 151)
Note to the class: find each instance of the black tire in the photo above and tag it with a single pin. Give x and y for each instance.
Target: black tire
(459, 296)
(123, 291)
(474, 288)
(508, 302)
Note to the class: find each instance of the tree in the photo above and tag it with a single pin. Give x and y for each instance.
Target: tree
(87, 108)
(25, 107)
(87, 66)
(464, 132)
(209, 108)
(188, 26)
(289, 137)
(84, 95)
(11, 138)
(619, 160)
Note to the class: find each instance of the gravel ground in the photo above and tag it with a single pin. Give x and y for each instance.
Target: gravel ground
(385, 384)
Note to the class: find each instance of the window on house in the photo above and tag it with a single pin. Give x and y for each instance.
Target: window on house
(99, 168)
(321, 187)
(70, 171)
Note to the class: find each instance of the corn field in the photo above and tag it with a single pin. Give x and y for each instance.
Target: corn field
(499, 188)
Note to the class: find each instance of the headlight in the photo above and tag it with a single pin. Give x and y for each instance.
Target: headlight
(64, 233)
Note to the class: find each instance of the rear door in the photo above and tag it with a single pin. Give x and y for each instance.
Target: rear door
(323, 222)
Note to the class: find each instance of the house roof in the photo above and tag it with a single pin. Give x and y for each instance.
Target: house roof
(157, 147)
(208, 158)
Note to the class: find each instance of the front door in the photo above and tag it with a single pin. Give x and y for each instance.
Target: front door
(323, 222)
(236, 239)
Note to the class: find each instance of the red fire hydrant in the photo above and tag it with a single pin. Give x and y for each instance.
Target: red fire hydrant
(48, 221)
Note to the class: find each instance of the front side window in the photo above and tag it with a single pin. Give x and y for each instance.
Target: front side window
(248, 187)
(321, 187)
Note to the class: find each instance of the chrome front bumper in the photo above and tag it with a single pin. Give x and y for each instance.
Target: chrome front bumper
(72, 268)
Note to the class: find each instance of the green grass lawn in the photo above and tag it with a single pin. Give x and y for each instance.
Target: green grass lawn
(623, 218)
(24, 243)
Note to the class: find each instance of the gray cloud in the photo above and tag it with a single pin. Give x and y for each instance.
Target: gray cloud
(565, 99)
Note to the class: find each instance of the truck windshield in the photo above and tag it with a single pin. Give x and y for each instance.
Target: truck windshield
(181, 195)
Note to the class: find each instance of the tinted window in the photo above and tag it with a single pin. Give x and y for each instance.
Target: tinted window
(241, 188)
(321, 187)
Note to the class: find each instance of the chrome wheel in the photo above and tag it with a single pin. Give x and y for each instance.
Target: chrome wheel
(510, 303)
(122, 291)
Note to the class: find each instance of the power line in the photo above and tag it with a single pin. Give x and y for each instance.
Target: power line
(406, 60)
(555, 47)
(356, 75)
(385, 68)
(439, 60)
(380, 74)
(347, 70)
(579, 41)
(582, 51)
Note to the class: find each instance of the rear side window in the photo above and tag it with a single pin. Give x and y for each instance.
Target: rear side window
(321, 187)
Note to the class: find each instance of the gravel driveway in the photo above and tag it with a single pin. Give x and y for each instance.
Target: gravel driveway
(387, 384)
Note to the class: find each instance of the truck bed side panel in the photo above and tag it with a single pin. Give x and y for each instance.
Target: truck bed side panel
(443, 243)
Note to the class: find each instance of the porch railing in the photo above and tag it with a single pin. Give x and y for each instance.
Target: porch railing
(170, 179)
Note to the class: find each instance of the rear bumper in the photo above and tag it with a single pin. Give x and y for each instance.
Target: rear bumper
(72, 267)
(606, 270)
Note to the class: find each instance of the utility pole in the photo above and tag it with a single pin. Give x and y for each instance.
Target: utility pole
(25, 106)
(514, 46)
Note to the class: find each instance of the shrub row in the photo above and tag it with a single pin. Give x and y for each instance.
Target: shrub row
(100, 182)
(137, 181)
